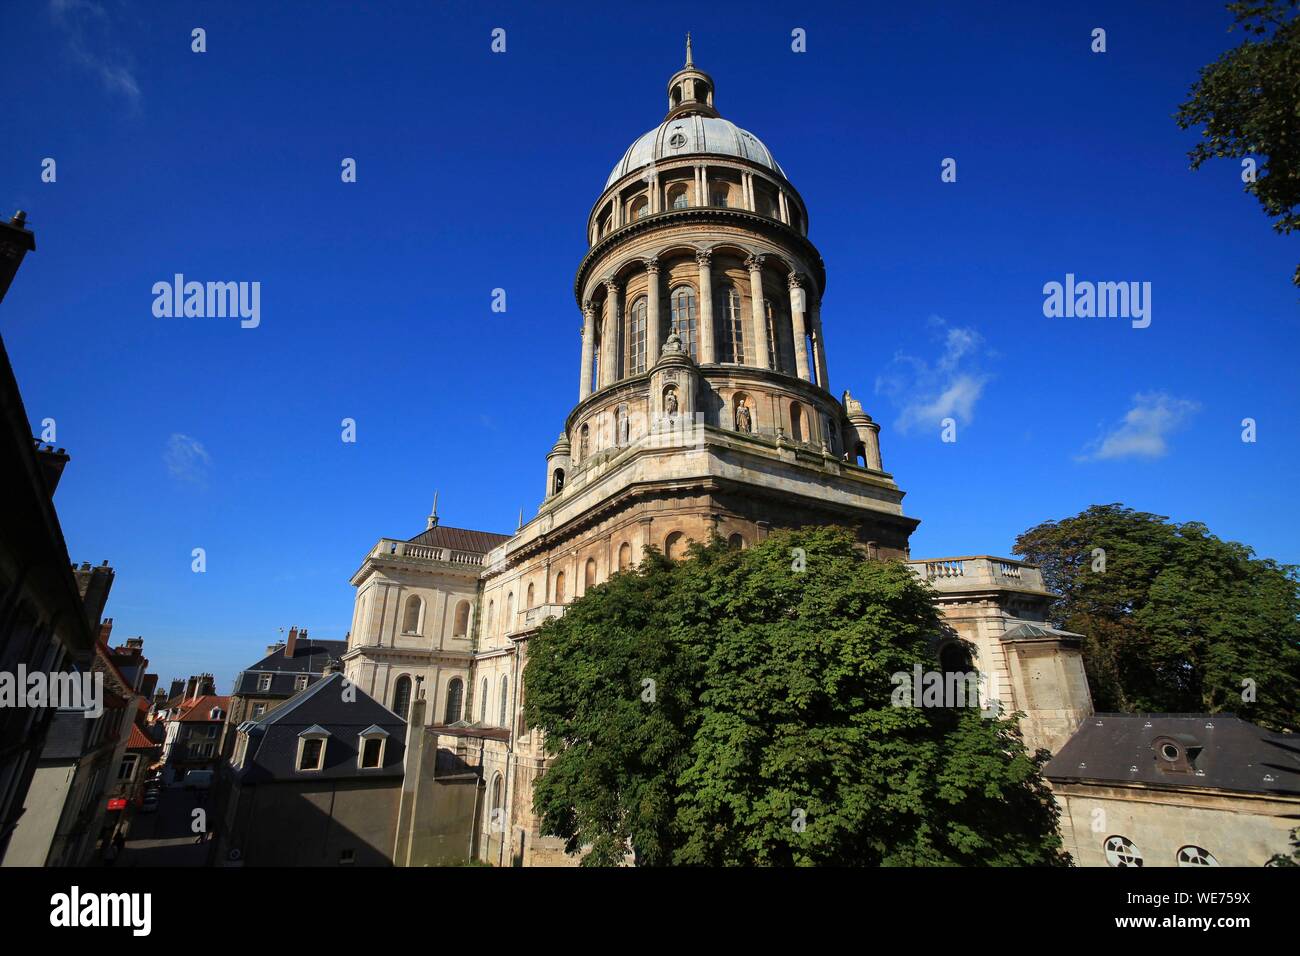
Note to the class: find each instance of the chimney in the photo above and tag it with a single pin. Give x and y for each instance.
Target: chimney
(105, 629)
(16, 240)
(52, 463)
(178, 688)
(207, 685)
(292, 643)
(191, 687)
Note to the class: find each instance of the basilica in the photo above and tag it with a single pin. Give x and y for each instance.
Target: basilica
(704, 408)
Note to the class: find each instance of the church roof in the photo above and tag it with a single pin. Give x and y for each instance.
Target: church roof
(693, 134)
(459, 539)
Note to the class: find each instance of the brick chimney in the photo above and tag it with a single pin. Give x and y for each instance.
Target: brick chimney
(292, 642)
(105, 629)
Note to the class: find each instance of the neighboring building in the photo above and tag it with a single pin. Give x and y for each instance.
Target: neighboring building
(287, 669)
(1176, 790)
(193, 736)
(67, 804)
(47, 624)
(316, 782)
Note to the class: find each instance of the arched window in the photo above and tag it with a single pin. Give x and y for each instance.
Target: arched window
(677, 197)
(640, 207)
(674, 546)
(491, 616)
(402, 696)
(683, 302)
(728, 310)
(411, 620)
(677, 96)
(604, 226)
(559, 588)
(860, 454)
(719, 196)
(482, 702)
(509, 622)
(773, 349)
(736, 541)
(636, 337)
(796, 422)
(624, 556)
(529, 596)
(461, 625)
(496, 808)
(505, 701)
(557, 481)
(589, 575)
(455, 695)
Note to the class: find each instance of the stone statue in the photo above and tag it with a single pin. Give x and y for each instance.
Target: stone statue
(582, 445)
(670, 404)
(743, 421)
(624, 428)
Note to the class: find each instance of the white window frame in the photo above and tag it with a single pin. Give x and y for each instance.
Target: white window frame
(302, 746)
(361, 750)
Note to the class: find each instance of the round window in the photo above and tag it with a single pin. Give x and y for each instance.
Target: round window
(1120, 852)
(1169, 752)
(677, 141)
(1195, 856)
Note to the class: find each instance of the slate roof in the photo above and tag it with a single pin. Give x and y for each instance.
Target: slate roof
(459, 539)
(273, 740)
(309, 657)
(1234, 754)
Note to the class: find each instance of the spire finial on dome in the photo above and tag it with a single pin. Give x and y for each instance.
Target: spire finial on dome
(689, 62)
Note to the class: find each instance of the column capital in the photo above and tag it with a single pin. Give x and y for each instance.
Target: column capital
(754, 261)
(795, 280)
(588, 308)
(704, 257)
(611, 285)
(651, 265)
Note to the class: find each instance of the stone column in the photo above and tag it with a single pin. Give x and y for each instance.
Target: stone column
(588, 344)
(705, 318)
(704, 185)
(652, 325)
(819, 346)
(755, 266)
(785, 206)
(609, 341)
(798, 327)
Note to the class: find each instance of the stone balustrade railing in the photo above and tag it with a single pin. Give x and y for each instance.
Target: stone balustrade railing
(390, 547)
(958, 574)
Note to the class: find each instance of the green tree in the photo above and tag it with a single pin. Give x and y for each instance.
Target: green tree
(732, 709)
(1248, 103)
(1174, 619)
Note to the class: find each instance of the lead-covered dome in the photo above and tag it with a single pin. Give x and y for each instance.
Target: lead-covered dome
(689, 134)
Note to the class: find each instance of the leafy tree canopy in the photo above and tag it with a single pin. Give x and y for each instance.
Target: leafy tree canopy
(1175, 620)
(732, 709)
(1248, 102)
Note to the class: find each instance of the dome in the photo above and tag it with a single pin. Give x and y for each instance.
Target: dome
(693, 134)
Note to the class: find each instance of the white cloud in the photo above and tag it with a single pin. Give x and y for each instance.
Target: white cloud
(186, 459)
(1144, 431)
(927, 393)
(88, 26)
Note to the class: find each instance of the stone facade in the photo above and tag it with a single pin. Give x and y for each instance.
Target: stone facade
(704, 407)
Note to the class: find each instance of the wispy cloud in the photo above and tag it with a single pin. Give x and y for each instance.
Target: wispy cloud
(927, 392)
(186, 459)
(1145, 428)
(89, 29)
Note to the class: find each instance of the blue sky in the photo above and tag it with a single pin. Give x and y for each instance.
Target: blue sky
(477, 171)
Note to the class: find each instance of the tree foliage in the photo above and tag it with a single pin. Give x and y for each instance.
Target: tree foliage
(767, 735)
(1248, 102)
(1177, 619)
